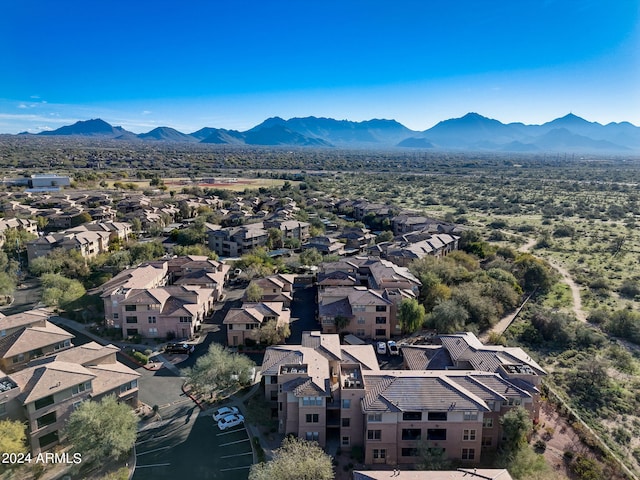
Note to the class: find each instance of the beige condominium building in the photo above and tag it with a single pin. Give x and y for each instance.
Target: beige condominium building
(449, 396)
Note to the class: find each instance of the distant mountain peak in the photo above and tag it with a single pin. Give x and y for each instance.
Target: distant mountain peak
(471, 132)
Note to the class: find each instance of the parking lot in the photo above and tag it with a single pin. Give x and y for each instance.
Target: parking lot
(193, 448)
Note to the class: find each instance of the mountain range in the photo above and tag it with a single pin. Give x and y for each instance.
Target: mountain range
(472, 132)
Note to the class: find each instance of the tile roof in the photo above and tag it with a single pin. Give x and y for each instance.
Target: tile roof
(32, 338)
(49, 378)
(407, 390)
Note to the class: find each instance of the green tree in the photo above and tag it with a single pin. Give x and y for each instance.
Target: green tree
(7, 284)
(13, 436)
(296, 459)
(143, 252)
(432, 458)
(410, 315)
(448, 317)
(533, 273)
(102, 430)
(253, 293)
(81, 218)
(136, 225)
(311, 256)
(385, 236)
(516, 426)
(275, 238)
(59, 291)
(271, 333)
(341, 322)
(219, 370)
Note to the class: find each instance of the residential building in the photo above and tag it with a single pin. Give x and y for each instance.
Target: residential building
(88, 243)
(166, 312)
(47, 391)
(459, 474)
(24, 224)
(236, 241)
(367, 311)
(242, 322)
(325, 391)
(275, 288)
(163, 298)
(325, 245)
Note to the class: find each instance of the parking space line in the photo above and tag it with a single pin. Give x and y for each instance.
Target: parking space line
(237, 455)
(233, 443)
(229, 431)
(153, 438)
(154, 450)
(154, 465)
(235, 468)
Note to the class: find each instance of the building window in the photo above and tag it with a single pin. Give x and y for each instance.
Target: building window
(374, 417)
(46, 420)
(153, 331)
(487, 441)
(346, 441)
(381, 332)
(436, 434)
(313, 418)
(380, 453)
(131, 319)
(116, 316)
(346, 403)
(381, 320)
(468, 454)
(374, 434)
(381, 308)
(185, 319)
(361, 321)
(437, 416)
(487, 422)
(3, 408)
(468, 435)
(311, 401)
(409, 452)
(44, 402)
(81, 388)
(491, 404)
(412, 416)
(129, 386)
(360, 332)
(18, 358)
(129, 308)
(48, 439)
(152, 319)
(312, 436)
(61, 345)
(346, 422)
(411, 434)
(470, 416)
(358, 308)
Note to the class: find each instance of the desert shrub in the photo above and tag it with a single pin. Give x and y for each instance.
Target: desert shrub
(141, 358)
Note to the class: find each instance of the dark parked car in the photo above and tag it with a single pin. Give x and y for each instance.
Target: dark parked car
(179, 348)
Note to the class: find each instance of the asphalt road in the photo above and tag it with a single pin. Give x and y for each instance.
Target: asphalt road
(303, 310)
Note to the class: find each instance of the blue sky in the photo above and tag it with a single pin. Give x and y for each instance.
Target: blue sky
(232, 64)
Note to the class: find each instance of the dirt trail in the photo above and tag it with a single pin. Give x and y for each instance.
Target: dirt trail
(505, 321)
(575, 290)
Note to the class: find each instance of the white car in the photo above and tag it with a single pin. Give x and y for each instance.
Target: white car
(381, 348)
(393, 348)
(230, 421)
(225, 412)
